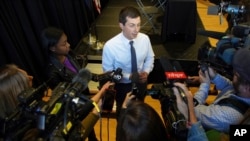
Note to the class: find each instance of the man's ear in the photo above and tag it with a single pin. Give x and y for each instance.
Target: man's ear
(121, 25)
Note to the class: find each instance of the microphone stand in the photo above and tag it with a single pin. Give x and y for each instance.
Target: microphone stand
(91, 40)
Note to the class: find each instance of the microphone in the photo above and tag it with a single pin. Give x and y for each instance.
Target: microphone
(134, 77)
(181, 74)
(212, 34)
(99, 77)
(115, 76)
(80, 82)
(170, 72)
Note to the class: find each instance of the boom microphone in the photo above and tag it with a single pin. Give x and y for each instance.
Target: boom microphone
(80, 82)
(212, 34)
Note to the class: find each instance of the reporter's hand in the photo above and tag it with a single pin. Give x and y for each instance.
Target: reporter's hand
(204, 77)
(106, 86)
(102, 91)
(212, 73)
(185, 90)
(194, 79)
(127, 99)
(181, 105)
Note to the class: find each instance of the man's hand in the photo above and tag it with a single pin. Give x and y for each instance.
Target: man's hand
(143, 77)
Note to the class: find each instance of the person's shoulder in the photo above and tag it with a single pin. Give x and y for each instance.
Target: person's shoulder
(114, 40)
(142, 35)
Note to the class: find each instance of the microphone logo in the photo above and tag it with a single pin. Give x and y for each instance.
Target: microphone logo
(117, 77)
(175, 75)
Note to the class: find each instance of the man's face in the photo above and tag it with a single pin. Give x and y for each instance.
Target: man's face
(131, 27)
(236, 83)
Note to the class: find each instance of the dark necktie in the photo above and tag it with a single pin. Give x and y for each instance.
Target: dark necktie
(133, 57)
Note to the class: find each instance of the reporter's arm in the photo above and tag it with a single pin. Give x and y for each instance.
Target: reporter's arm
(101, 92)
(196, 131)
(88, 123)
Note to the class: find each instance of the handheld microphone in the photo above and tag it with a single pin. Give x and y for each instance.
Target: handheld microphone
(178, 68)
(170, 72)
(115, 76)
(99, 77)
(134, 77)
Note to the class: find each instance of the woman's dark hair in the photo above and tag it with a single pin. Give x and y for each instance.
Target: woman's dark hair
(128, 11)
(140, 122)
(50, 37)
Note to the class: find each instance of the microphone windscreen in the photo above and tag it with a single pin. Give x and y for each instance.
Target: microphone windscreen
(166, 65)
(177, 66)
(83, 76)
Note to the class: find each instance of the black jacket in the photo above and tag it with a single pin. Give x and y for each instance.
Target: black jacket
(57, 72)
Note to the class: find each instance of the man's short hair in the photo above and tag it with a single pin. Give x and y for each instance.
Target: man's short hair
(128, 11)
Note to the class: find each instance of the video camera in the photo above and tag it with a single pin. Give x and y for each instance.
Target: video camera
(236, 12)
(60, 116)
(220, 57)
(174, 120)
